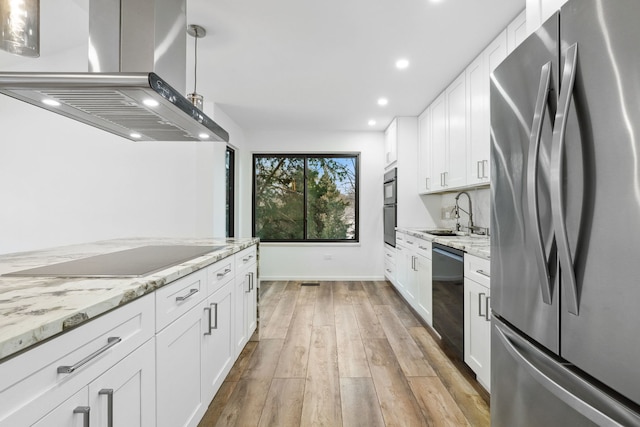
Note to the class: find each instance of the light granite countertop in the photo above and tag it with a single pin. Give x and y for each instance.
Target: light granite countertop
(473, 244)
(33, 309)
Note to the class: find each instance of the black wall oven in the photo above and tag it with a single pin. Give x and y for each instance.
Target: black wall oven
(390, 207)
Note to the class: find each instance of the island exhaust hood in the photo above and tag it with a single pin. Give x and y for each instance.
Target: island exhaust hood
(131, 43)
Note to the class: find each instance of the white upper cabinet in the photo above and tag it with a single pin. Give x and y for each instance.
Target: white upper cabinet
(478, 109)
(438, 142)
(455, 131)
(391, 144)
(424, 151)
(477, 113)
(456, 171)
(517, 31)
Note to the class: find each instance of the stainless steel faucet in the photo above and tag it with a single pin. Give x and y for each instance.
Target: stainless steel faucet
(458, 209)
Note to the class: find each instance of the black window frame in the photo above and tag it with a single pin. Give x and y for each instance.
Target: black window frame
(230, 190)
(307, 156)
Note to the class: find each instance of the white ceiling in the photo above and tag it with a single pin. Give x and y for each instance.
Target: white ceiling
(322, 65)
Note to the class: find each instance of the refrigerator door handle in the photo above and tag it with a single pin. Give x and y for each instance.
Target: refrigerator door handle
(557, 177)
(532, 181)
(573, 391)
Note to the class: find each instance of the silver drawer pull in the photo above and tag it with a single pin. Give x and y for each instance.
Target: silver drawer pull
(389, 255)
(191, 293)
(111, 341)
(109, 393)
(389, 271)
(487, 309)
(84, 410)
(226, 271)
(422, 247)
(484, 273)
(247, 258)
(410, 242)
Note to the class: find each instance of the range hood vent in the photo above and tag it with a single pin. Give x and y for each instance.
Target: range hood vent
(128, 99)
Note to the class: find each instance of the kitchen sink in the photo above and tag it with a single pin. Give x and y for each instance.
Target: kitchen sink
(441, 232)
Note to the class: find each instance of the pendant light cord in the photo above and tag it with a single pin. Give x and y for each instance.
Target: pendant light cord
(195, 65)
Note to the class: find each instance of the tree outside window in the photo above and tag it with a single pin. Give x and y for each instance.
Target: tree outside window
(311, 197)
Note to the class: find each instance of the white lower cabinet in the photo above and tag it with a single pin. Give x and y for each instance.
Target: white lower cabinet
(246, 297)
(424, 285)
(58, 383)
(122, 396)
(413, 273)
(156, 361)
(125, 394)
(477, 318)
(179, 350)
(218, 351)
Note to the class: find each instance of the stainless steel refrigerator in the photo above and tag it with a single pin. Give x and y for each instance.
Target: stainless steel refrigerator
(565, 216)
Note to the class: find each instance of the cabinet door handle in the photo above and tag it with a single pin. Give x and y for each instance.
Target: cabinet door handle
(111, 341)
(479, 164)
(487, 312)
(480, 295)
(208, 309)
(441, 179)
(226, 271)
(426, 183)
(215, 325)
(252, 280)
(191, 293)
(484, 170)
(482, 272)
(84, 410)
(248, 276)
(109, 393)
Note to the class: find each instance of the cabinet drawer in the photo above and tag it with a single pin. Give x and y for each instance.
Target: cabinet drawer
(477, 269)
(389, 270)
(389, 256)
(401, 238)
(220, 273)
(176, 298)
(42, 378)
(246, 257)
(423, 247)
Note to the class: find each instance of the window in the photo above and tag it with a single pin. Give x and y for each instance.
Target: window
(230, 190)
(305, 197)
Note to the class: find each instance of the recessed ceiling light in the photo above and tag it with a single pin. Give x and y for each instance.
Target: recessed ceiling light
(51, 102)
(383, 101)
(135, 135)
(150, 102)
(401, 64)
(204, 135)
(372, 122)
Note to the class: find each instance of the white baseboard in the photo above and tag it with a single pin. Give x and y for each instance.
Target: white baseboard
(323, 278)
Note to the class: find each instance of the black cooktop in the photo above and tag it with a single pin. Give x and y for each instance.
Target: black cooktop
(134, 262)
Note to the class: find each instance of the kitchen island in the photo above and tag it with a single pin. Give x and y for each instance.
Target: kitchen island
(155, 347)
(33, 309)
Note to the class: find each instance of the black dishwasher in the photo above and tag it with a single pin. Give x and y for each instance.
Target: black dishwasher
(448, 296)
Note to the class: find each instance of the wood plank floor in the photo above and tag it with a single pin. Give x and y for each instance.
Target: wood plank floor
(343, 354)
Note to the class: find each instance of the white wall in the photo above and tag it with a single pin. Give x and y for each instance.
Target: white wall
(63, 182)
(358, 261)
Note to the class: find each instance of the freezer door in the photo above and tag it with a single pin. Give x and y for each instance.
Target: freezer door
(524, 287)
(530, 388)
(599, 161)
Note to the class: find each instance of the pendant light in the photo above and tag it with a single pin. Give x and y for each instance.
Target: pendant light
(197, 32)
(20, 27)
